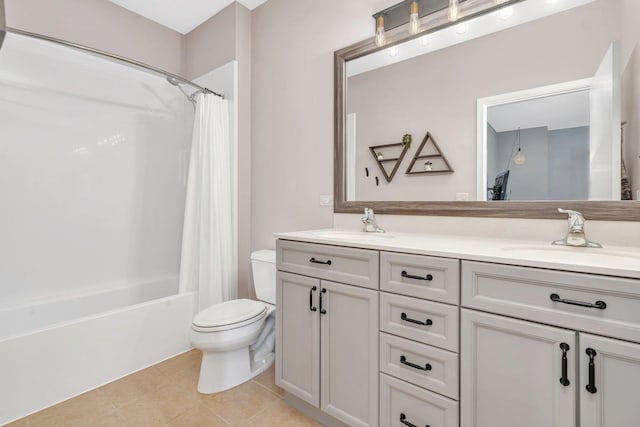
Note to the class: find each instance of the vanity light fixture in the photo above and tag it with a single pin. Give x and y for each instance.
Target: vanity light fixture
(414, 18)
(381, 38)
(406, 16)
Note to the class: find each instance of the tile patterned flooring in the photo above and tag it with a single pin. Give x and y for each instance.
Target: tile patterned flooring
(165, 395)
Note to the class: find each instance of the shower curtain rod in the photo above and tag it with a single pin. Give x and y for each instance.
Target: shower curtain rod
(115, 57)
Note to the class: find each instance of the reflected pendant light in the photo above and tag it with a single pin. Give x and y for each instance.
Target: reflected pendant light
(454, 10)
(381, 39)
(519, 158)
(414, 19)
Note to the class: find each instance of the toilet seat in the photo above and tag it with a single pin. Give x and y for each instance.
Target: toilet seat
(229, 315)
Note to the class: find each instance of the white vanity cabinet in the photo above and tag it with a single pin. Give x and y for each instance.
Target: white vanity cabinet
(413, 339)
(611, 369)
(419, 335)
(517, 372)
(327, 332)
(511, 373)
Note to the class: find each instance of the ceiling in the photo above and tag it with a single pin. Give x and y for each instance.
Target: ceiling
(563, 111)
(181, 16)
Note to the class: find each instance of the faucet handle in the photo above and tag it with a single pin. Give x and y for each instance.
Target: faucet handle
(576, 219)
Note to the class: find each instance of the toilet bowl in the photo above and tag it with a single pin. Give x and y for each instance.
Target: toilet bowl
(237, 337)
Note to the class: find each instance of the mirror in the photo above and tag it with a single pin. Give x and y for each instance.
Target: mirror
(564, 73)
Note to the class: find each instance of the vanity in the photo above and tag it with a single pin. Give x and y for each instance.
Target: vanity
(399, 329)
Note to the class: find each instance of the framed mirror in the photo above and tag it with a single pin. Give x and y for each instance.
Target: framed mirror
(537, 101)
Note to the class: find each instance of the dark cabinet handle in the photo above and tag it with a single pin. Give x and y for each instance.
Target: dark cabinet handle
(591, 387)
(403, 420)
(311, 307)
(404, 317)
(315, 261)
(322, 310)
(564, 380)
(411, 276)
(600, 305)
(426, 367)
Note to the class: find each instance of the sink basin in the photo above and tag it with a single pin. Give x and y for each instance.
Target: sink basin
(569, 253)
(350, 235)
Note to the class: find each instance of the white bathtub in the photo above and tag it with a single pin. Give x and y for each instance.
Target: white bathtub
(51, 351)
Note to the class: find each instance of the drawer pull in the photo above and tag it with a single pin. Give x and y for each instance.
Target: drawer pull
(426, 367)
(322, 310)
(404, 317)
(564, 380)
(403, 420)
(311, 307)
(600, 305)
(591, 387)
(315, 261)
(411, 276)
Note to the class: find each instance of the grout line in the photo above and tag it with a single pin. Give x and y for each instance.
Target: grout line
(268, 389)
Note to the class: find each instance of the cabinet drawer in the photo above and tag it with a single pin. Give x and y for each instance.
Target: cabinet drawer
(417, 406)
(526, 293)
(357, 267)
(399, 314)
(435, 278)
(420, 364)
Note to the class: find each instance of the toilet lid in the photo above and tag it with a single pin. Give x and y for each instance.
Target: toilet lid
(230, 313)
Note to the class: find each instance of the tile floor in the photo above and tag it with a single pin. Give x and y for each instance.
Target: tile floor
(165, 395)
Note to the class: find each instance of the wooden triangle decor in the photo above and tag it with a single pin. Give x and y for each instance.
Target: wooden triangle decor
(380, 154)
(429, 159)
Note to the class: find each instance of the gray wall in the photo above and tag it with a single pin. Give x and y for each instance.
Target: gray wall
(529, 181)
(569, 164)
(102, 25)
(292, 104)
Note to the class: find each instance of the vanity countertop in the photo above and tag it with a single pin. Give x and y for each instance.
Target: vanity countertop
(620, 261)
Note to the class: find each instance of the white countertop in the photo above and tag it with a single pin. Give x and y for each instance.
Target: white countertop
(620, 261)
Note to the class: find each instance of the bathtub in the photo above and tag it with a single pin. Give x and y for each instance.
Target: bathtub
(53, 350)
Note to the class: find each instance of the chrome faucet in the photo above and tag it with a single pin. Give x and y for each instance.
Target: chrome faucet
(575, 236)
(369, 221)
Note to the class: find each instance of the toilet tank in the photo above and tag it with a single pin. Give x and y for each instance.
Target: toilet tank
(263, 265)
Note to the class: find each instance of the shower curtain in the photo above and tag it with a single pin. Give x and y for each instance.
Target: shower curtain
(207, 247)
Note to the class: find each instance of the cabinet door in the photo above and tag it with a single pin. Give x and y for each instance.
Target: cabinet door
(511, 373)
(609, 378)
(349, 346)
(298, 336)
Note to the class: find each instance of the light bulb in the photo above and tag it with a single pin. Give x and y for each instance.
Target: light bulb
(454, 10)
(520, 158)
(381, 39)
(414, 22)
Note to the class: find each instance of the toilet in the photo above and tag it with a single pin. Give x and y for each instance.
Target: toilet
(237, 337)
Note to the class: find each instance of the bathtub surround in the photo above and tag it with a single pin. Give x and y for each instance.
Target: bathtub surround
(91, 23)
(45, 367)
(207, 258)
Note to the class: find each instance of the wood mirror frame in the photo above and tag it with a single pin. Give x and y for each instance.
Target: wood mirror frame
(628, 210)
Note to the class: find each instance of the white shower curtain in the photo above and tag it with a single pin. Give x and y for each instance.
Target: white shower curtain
(207, 241)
